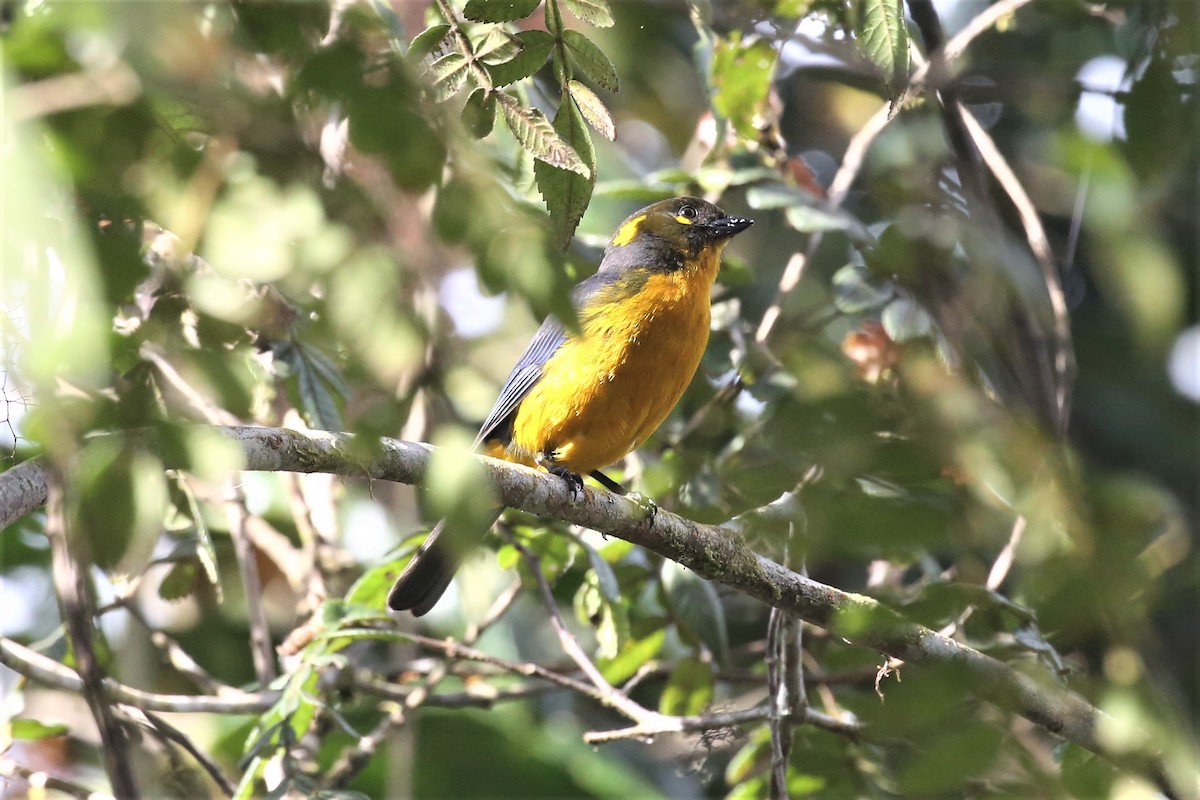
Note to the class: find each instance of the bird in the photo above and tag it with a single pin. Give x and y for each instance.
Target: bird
(580, 400)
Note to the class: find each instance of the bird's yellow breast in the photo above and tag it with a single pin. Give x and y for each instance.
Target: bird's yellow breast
(603, 393)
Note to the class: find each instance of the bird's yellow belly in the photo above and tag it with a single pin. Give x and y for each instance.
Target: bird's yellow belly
(602, 395)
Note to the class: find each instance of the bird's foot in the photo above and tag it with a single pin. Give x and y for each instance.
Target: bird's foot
(574, 482)
(648, 506)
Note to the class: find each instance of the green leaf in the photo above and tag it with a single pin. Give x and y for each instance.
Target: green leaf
(121, 495)
(567, 193)
(372, 588)
(448, 74)
(633, 655)
(773, 195)
(903, 319)
(741, 77)
(883, 39)
(180, 580)
(610, 619)
(325, 368)
(854, 292)
(205, 550)
(499, 10)
(247, 786)
(593, 110)
(427, 42)
(535, 49)
(479, 113)
(312, 376)
(385, 120)
(591, 60)
(23, 728)
(810, 219)
(497, 46)
(689, 690)
(538, 137)
(594, 12)
(696, 608)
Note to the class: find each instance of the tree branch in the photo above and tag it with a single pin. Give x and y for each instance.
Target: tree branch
(49, 672)
(70, 582)
(713, 552)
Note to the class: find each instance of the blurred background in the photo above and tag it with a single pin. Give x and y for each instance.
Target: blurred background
(279, 214)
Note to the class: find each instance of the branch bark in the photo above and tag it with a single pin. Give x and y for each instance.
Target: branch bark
(716, 553)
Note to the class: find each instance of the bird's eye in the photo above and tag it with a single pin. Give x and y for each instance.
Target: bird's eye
(688, 212)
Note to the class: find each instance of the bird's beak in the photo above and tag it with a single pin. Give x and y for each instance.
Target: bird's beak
(725, 227)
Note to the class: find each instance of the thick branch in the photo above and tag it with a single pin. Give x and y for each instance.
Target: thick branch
(713, 552)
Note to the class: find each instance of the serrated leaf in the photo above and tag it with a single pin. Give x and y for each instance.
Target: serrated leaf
(497, 46)
(23, 728)
(689, 690)
(593, 12)
(448, 75)
(325, 367)
(567, 193)
(538, 137)
(591, 60)
(593, 110)
(535, 49)
(427, 42)
(479, 113)
(499, 10)
(315, 401)
(883, 39)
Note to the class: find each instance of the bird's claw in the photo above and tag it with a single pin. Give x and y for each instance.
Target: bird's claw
(574, 482)
(648, 506)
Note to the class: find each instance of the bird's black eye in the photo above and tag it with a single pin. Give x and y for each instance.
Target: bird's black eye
(688, 212)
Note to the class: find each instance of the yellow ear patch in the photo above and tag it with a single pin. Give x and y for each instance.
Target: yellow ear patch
(626, 233)
(682, 220)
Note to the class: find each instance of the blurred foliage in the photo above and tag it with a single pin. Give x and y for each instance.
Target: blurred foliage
(351, 216)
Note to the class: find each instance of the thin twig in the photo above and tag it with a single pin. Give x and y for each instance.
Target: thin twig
(780, 728)
(70, 584)
(176, 656)
(170, 733)
(39, 781)
(1004, 560)
(256, 615)
(459, 652)
(609, 695)
(1039, 245)
(856, 149)
(49, 672)
(956, 45)
(370, 684)
(723, 719)
(354, 758)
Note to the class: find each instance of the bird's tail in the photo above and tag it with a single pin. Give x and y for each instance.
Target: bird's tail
(429, 573)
